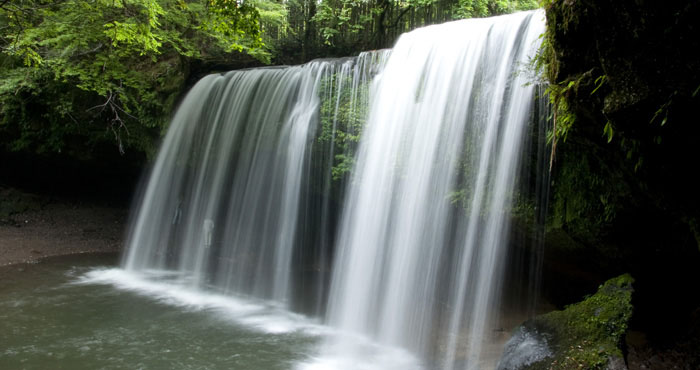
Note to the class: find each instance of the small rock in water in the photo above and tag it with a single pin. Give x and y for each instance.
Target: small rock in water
(524, 348)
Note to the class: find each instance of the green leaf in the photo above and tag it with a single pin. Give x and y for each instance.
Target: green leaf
(608, 131)
(599, 83)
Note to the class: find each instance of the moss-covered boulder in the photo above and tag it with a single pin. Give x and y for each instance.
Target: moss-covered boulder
(585, 335)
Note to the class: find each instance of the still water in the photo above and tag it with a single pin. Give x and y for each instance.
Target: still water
(80, 312)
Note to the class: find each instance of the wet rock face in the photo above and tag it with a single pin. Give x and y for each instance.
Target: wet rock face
(626, 194)
(587, 335)
(641, 46)
(633, 68)
(526, 347)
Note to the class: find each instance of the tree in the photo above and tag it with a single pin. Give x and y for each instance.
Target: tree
(69, 62)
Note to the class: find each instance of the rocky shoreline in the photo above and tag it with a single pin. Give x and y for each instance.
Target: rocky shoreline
(33, 227)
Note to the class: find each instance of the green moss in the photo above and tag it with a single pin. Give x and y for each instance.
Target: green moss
(588, 334)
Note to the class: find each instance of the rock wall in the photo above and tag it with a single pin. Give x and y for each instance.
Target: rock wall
(625, 191)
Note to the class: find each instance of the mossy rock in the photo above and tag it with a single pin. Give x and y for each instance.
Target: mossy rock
(585, 335)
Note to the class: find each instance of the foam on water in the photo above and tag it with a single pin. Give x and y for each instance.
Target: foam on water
(168, 288)
(361, 353)
(357, 353)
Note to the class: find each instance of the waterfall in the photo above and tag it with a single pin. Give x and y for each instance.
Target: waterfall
(447, 120)
(261, 189)
(230, 199)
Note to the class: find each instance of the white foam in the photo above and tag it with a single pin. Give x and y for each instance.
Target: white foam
(341, 351)
(168, 288)
(345, 351)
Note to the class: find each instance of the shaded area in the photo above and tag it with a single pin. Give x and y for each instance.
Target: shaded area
(624, 199)
(36, 226)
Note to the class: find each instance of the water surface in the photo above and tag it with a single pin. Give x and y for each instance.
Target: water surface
(79, 312)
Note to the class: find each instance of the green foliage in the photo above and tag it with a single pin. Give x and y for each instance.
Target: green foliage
(343, 116)
(559, 90)
(93, 72)
(599, 103)
(343, 165)
(485, 8)
(273, 23)
(608, 131)
(588, 192)
(122, 62)
(350, 26)
(599, 83)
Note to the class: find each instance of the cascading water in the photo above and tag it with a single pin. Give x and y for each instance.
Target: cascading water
(447, 121)
(223, 206)
(247, 195)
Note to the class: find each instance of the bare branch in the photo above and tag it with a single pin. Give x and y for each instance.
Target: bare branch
(103, 106)
(116, 124)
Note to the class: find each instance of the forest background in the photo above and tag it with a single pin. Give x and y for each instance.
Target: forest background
(87, 89)
(94, 82)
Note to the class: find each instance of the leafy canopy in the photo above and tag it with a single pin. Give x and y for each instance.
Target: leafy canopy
(126, 58)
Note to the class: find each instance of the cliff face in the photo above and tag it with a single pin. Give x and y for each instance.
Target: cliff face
(625, 187)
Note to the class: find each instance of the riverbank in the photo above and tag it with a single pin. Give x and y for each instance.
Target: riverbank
(37, 226)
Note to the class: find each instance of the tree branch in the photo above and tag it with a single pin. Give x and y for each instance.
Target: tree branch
(116, 123)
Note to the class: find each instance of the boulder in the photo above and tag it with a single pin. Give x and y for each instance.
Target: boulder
(585, 335)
